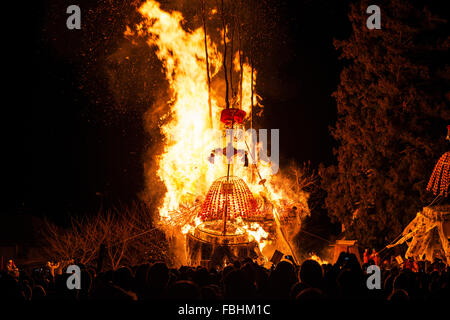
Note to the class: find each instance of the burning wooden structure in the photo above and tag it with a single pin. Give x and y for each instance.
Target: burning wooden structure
(211, 210)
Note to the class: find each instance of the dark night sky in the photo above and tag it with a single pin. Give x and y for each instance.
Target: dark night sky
(62, 147)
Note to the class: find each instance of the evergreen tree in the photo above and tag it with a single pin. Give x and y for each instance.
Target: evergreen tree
(392, 112)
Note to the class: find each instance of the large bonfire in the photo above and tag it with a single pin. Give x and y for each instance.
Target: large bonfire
(193, 128)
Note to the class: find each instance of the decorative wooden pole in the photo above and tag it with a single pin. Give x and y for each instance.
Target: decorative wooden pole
(208, 75)
(224, 25)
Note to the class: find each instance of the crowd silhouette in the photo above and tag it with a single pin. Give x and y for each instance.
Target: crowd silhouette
(245, 279)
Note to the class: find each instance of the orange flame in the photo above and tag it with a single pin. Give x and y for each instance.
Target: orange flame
(183, 165)
(318, 259)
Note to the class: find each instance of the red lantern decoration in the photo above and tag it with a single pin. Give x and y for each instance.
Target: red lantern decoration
(440, 178)
(230, 194)
(231, 116)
